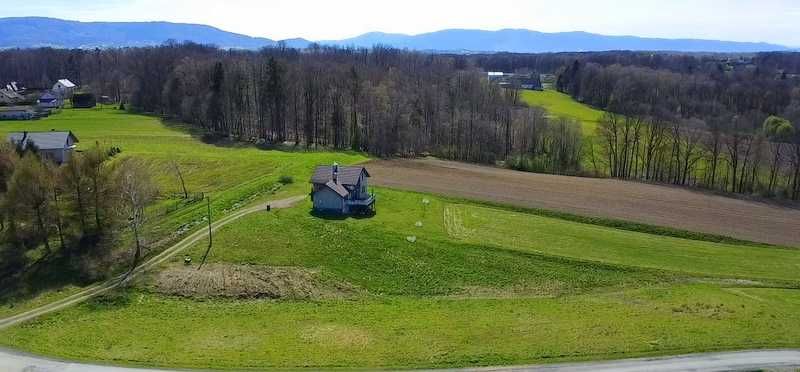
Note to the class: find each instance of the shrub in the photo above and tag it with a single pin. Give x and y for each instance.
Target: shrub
(286, 180)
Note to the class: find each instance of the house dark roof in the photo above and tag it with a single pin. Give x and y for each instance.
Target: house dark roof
(347, 176)
(42, 140)
(48, 97)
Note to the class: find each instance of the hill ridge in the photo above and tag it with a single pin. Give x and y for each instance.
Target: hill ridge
(32, 32)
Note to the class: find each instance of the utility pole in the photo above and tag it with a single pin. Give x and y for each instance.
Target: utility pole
(210, 233)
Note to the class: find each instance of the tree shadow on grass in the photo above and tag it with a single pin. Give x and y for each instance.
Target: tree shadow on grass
(224, 141)
(51, 273)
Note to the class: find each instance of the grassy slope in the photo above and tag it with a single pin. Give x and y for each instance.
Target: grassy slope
(446, 300)
(413, 332)
(374, 254)
(454, 233)
(562, 105)
(206, 167)
(529, 233)
(229, 174)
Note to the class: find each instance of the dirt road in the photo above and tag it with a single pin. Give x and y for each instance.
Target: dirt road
(632, 201)
(110, 284)
(729, 361)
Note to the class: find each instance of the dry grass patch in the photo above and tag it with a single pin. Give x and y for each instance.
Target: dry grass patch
(542, 289)
(247, 281)
(336, 335)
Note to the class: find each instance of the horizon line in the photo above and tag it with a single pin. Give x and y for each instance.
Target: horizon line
(790, 47)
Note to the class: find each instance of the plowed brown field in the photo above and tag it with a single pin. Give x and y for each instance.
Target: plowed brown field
(631, 201)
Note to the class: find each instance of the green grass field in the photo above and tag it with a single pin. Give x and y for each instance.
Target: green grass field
(561, 105)
(480, 286)
(206, 167)
(232, 175)
(136, 328)
(528, 233)
(228, 173)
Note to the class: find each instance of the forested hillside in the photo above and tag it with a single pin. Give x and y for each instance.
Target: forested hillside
(699, 120)
(721, 126)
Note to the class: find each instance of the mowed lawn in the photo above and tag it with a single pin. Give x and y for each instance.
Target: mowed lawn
(562, 105)
(477, 286)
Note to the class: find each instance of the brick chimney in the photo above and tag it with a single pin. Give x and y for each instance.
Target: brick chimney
(335, 172)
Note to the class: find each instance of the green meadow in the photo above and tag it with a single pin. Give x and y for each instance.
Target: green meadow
(231, 174)
(562, 105)
(139, 328)
(210, 168)
(478, 285)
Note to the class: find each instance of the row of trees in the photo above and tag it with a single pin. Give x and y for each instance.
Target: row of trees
(76, 210)
(724, 132)
(684, 119)
(383, 101)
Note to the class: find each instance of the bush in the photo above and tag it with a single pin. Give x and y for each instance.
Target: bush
(286, 180)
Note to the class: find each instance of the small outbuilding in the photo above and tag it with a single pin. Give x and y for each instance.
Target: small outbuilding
(50, 100)
(64, 88)
(53, 146)
(341, 190)
(84, 100)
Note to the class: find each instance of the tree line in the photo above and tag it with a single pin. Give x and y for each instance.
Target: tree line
(734, 131)
(697, 120)
(383, 101)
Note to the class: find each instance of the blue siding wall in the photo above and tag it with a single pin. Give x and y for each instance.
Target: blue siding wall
(327, 200)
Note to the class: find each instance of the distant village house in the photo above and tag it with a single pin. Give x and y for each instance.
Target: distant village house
(50, 100)
(54, 146)
(517, 81)
(10, 97)
(341, 190)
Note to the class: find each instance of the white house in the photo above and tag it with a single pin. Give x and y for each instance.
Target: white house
(64, 88)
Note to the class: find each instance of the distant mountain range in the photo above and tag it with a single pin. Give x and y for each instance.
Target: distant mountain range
(526, 41)
(31, 32)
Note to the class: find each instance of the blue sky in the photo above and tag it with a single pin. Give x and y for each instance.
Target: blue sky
(776, 21)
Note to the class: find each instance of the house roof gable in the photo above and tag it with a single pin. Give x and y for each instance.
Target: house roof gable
(43, 140)
(347, 176)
